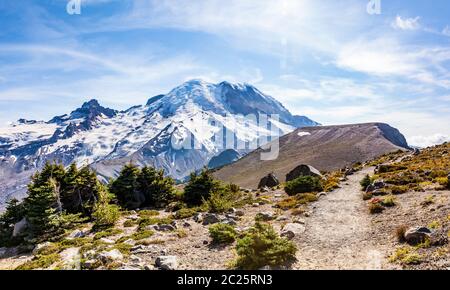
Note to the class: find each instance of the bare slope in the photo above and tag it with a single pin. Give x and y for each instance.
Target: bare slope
(326, 148)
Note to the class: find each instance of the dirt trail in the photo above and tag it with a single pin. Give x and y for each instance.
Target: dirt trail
(339, 233)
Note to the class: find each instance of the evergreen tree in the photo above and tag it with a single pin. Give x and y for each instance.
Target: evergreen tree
(105, 214)
(14, 213)
(200, 187)
(126, 188)
(41, 205)
(80, 190)
(156, 189)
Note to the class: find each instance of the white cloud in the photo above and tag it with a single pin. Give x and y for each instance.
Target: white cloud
(406, 23)
(446, 31)
(426, 141)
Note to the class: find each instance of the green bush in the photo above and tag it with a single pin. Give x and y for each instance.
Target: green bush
(222, 233)
(200, 187)
(365, 182)
(105, 214)
(303, 184)
(220, 201)
(185, 213)
(261, 246)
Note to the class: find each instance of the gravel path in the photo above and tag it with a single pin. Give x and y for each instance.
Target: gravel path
(339, 233)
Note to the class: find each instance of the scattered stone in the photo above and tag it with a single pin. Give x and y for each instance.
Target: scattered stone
(130, 242)
(89, 264)
(89, 254)
(302, 170)
(230, 222)
(299, 221)
(255, 204)
(149, 268)
(110, 256)
(198, 218)
(141, 249)
(129, 268)
(135, 259)
(20, 227)
(166, 262)
(107, 241)
(349, 171)
(205, 242)
(76, 234)
(265, 216)
(210, 218)
(282, 218)
(278, 195)
(133, 217)
(264, 189)
(377, 185)
(186, 225)
(71, 259)
(268, 181)
(417, 235)
(416, 151)
(307, 214)
(322, 194)
(240, 213)
(164, 228)
(39, 247)
(292, 230)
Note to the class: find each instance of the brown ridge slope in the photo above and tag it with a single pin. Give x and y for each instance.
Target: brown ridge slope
(327, 148)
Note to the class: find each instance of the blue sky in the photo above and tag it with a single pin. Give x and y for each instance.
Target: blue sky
(329, 60)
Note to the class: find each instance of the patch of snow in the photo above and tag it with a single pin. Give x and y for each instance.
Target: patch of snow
(301, 134)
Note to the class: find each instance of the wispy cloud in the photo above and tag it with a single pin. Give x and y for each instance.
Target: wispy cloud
(406, 23)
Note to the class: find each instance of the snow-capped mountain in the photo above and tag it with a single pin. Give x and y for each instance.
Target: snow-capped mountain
(156, 134)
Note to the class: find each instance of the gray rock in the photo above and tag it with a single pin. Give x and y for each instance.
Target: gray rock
(303, 170)
(417, 235)
(265, 216)
(107, 241)
(89, 264)
(210, 218)
(166, 262)
(255, 204)
(20, 227)
(240, 213)
(110, 256)
(416, 151)
(268, 181)
(186, 225)
(198, 218)
(40, 247)
(164, 228)
(71, 259)
(292, 230)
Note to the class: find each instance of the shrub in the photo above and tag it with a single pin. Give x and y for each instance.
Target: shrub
(222, 233)
(200, 187)
(367, 195)
(185, 213)
(144, 234)
(390, 168)
(303, 184)
(399, 189)
(105, 214)
(261, 246)
(40, 262)
(148, 221)
(220, 201)
(147, 213)
(129, 224)
(365, 182)
(305, 198)
(288, 203)
(400, 233)
(389, 201)
(375, 206)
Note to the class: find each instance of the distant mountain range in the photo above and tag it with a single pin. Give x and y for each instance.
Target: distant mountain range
(106, 139)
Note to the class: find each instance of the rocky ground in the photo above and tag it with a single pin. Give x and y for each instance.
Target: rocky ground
(335, 232)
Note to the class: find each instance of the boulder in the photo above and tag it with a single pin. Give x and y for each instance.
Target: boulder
(292, 230)
(302, 170)
(164, 228)
(40, 247)
(110, 256)
(417, 235)
(198, 218)
(416, 151)
(71, 259)
(240, 212)
(377, 185)
(107, 241)
(265, 216)
(210, 218)
(77, 234)
(167, 262)
(268, 181)
(20, 227)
